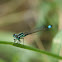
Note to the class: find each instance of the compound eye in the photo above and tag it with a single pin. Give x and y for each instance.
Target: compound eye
(14, 34)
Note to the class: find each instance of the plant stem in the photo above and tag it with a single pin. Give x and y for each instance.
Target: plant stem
(31, 48)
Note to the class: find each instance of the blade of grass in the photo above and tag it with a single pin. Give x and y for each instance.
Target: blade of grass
(31, 48)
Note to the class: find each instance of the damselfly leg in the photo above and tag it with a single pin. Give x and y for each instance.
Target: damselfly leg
(23, 40)
(14, 40)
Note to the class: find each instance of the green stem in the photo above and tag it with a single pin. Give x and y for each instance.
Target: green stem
(31, 48)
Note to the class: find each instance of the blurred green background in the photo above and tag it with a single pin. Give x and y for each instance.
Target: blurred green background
(23, 16)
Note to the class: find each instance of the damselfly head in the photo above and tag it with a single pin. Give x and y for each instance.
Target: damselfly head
(14, 35)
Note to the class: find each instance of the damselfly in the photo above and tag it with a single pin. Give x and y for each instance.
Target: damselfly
(19, 36)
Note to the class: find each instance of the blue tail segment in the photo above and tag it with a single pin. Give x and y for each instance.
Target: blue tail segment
(49, 26)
